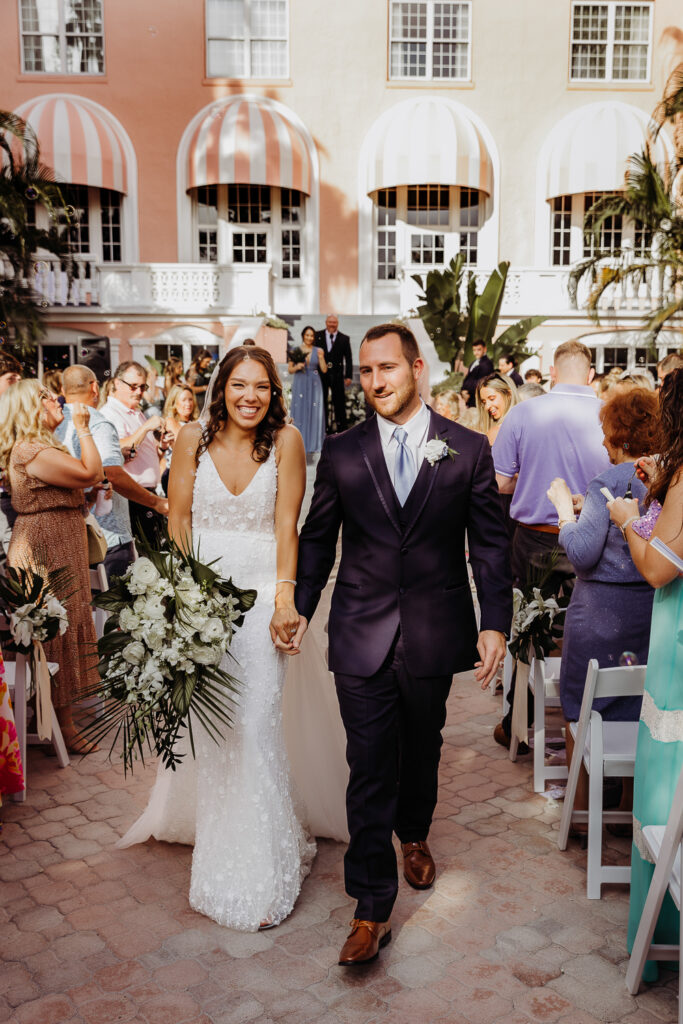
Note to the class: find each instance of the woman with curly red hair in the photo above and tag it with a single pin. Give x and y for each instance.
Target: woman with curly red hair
(611, 605)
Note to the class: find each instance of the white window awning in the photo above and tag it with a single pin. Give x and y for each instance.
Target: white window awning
(429, 140)
(589, 149)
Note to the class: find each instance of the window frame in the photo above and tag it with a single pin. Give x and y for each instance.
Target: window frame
(429, 44)
(95, 251)
(246, 41)
(401, 232)
(611, 8)
(63, 52)
(577, 248)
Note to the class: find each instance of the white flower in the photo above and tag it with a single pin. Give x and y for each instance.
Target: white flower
(144, 572)
(128, 619)
(212, 630)
(21, 626)
(435, 450)
(203, 655)
(665, 224)
(134, 652)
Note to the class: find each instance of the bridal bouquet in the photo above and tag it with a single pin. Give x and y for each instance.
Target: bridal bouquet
(172, 620)
(34, 614)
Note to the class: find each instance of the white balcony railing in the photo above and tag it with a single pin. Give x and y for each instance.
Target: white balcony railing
(155, 287)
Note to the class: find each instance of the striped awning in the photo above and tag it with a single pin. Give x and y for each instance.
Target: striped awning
(79, 140)
(249, 140)
(590, 148)
(431, 140)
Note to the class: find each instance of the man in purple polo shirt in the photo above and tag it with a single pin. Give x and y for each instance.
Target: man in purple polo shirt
(553, 435)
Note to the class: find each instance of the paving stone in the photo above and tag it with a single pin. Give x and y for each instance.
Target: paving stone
(596, 986)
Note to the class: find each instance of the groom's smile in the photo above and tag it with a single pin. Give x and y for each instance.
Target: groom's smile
(388, 379)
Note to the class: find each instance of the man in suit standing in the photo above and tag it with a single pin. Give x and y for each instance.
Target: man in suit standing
(507, 366)
(406, 485)
(480, 368)
(337, 349)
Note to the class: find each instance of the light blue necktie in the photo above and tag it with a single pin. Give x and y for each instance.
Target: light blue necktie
(404, 467)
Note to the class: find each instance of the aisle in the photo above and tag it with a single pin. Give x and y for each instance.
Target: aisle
(94, 934)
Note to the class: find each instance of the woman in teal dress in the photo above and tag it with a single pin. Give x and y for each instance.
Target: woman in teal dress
(308, 406)
(659, 755)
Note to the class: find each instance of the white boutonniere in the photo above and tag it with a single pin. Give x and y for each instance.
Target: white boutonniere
(437, 449)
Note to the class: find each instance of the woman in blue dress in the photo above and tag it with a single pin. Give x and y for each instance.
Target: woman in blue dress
(659, 755)
(308, 407)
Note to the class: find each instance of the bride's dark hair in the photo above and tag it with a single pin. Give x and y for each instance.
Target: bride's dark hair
(275, 417)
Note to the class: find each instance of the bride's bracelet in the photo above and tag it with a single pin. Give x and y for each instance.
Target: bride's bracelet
(278, 582)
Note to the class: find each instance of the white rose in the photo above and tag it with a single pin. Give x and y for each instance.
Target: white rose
(144, 572)
(54, 608)
(205, 655)
(134, 652)
(135, 586)
(128, 619)
(212, 630)
(435, 450)
(21, 629)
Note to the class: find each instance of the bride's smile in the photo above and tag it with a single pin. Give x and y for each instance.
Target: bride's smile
(247, 394)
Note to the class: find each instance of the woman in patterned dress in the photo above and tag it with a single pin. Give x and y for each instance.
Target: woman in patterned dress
(47, 486)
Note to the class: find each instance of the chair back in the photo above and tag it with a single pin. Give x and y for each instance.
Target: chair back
(622, 681)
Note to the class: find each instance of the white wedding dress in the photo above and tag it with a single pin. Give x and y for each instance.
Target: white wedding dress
(235, 802)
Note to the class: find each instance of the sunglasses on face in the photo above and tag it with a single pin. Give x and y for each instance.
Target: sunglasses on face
(134, 387)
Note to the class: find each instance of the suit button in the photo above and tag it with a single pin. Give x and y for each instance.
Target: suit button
(404, 551)
(401, 590)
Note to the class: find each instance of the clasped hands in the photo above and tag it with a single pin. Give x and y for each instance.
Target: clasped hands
(287, 628)
(566, 503)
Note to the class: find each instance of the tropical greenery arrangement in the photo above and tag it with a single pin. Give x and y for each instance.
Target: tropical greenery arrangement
(172, 620)
(653, 198)
(538, 614)
(455, 315)
(24, 182)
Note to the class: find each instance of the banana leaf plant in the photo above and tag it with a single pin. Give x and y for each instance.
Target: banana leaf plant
(455, 314)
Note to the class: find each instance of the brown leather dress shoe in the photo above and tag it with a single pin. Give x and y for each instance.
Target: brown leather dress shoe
(364, 942)
(419, 869)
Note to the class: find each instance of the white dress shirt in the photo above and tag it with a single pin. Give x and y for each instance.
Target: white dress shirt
(330, 339)
(417, 429)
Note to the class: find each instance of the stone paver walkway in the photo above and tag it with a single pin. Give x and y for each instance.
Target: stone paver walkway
(94, 934)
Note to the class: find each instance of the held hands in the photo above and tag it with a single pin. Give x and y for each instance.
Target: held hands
(491, 647)
(81, 416)
(287, 628)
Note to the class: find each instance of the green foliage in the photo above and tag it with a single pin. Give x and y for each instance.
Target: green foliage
(454, 325)
(24, 183)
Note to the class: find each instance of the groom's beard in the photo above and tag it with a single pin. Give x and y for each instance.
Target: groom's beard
(392, 401)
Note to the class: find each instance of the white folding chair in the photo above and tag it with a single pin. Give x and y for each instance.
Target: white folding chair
(664, 846)
(18, 679)
(98, 584)
(606, 749)
(544, 683)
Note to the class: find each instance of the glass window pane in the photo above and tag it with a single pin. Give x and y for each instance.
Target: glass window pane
(630, 62)
(268, 59)
(409, 20)
(632, 23)
(40, 16)
(84, 55)
(225, 19)
(269, 19)
(225, 58)
(589, 61)
(590, 21)
(41, 53)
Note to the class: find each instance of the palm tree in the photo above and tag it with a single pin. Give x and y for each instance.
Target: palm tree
(653, 199)
(24, 183)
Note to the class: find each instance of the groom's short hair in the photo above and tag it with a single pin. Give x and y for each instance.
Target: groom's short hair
(409, 344)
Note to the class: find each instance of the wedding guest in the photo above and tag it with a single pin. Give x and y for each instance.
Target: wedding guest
(10, 373)
(308, 404)
(496, 395)
(47, 492)
(507, 366)
(480, 367)
(447, 403)
(180, 408)
(173, 374)
(674, 361)
(530, 390)
(659, 755)
(533, 376)
(611, 605)
(199, 375)
(52, 380)
(641, 378)
(11, 768)
(137, 439)
(336, 349)
(80, 385)
(556, 435)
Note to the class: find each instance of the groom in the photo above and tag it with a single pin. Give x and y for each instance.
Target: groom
(402, 620)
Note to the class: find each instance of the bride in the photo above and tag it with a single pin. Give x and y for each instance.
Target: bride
(235, 491)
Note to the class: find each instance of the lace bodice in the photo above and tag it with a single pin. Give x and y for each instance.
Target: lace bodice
(214, 507)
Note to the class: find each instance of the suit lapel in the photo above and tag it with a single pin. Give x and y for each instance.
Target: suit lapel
(426, 478)
(371, 447)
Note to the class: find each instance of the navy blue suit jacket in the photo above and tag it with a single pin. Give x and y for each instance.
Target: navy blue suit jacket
(412, 575)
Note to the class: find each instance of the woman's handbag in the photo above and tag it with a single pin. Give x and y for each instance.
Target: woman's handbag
(97, 542)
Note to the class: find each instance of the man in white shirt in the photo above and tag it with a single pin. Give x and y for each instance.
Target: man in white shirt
(138, 443)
